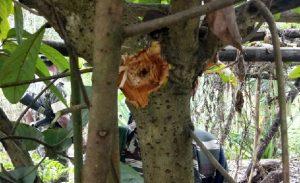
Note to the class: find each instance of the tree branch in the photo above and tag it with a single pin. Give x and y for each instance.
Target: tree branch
(281, 87)
(159, 23)
(61, 75)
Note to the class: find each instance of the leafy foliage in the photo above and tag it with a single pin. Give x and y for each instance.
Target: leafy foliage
(29, 131)
(21, 174)
(20, 65)
(6, 9)
(18, 22)
(295, 73)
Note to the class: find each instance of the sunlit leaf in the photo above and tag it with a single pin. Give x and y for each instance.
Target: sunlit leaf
(4, 28)
(55, 56)
(20, 65)
(29, 131)
(18, 15)
(296, 10)
(277, 16)
(295, 73)
(6, 8)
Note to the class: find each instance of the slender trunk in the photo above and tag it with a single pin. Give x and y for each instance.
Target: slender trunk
(102, 162)
(164, 137)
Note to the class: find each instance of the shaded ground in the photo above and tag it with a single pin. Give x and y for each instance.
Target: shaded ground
(294, 168)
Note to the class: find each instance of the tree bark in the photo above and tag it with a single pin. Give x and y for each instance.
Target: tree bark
(102, 160)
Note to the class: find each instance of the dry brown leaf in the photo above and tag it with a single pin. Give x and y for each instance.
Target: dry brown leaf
(142, 74)
(222, 24)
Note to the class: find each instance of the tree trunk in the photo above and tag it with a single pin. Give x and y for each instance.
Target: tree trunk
(102, 162)
(164, 125)
(163, 129)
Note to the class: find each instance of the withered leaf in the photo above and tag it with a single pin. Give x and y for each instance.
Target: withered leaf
(222, 23)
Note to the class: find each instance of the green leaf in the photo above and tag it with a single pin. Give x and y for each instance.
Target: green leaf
(42, 71)
(296, 10)
(129, 175)
(21, 66)
(29, 131)
(295, 73)
(4, 28)
(9, 46)
(55, 56)
(6, 8)
(18, 22)
(22, 174)
(2, 59)
(58, 137)
(277, 16)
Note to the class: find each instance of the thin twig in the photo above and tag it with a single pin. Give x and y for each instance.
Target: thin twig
(51, 147)
(27, 8)
(212, 159)
(27, 138)
(166, 21)
(257, 129)
(30, 105)
(281, 87)
(61, 75)
(73, 108)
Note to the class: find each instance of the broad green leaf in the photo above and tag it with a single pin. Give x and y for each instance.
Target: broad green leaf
(42, 71)
(18, 15)
(296, 10)
(21, 174)
(129, 175)
(6, 8)
(29, 131)
(295, 73)
(55, 56)
(58, 137)
(9, 46)
(4, 28)
(3, 57)
(21, 66)
(277, 16)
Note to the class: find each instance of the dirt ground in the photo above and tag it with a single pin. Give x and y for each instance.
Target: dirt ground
(294, 168)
